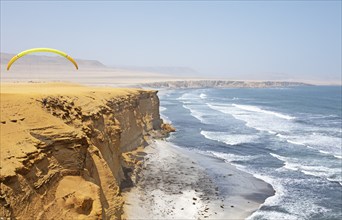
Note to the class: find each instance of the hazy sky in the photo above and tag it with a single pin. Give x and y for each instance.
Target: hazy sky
(288, 38)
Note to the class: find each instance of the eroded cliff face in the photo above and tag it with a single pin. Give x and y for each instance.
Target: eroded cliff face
(62, 154)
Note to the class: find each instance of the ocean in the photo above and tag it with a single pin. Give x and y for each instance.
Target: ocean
(289, 137)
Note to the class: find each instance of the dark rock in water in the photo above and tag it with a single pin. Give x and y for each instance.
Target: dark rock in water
(168, 128)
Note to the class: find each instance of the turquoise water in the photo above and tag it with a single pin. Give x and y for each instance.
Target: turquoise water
(288, 137)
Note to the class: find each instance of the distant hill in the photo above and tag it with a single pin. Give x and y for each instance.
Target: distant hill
(40, 68)
(172, 70)
(41, 61)
(221, 84)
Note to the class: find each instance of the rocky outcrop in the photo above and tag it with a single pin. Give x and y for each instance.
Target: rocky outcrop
(65, 159)
(168, 128)
(220, 84)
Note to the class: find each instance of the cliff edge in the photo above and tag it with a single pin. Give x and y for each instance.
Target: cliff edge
(63, 146)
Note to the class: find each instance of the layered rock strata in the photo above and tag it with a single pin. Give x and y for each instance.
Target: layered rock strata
(62, 148)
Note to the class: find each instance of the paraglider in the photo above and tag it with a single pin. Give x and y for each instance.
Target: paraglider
(34, 50)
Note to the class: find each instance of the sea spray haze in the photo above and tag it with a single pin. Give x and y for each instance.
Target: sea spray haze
(288, 137)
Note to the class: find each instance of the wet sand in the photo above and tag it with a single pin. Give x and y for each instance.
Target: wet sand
(174, 184)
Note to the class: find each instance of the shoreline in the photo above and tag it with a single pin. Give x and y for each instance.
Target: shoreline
(176, 183)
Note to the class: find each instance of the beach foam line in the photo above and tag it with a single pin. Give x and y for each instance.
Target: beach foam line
(319, 142)
(203, 96)
(257, 109)
(338, 156)
(230, 158)
(230, 139)
(272, 215)
(195, 113)
(287, 165)
(295, 142)
(335, 181)
(323, 152)
(277, 198)
(289, 141)
(312, 170)
(268, 209)
(188, 96)
(260, 122)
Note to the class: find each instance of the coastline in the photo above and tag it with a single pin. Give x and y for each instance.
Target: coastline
(174, 184)
(92, 132)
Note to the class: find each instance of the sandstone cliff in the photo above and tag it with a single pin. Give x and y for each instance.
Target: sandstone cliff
(62, 148)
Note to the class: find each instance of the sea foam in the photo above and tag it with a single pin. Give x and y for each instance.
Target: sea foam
(257, 109)
(197, 114)
(230, 158)
(230, 139)
(203, 96)
(319, 171)
(161, 109)
(256, 120)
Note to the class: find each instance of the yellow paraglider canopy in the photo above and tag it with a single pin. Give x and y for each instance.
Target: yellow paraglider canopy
(33, 50)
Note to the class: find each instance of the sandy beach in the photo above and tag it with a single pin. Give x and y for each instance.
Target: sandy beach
(173, 184)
